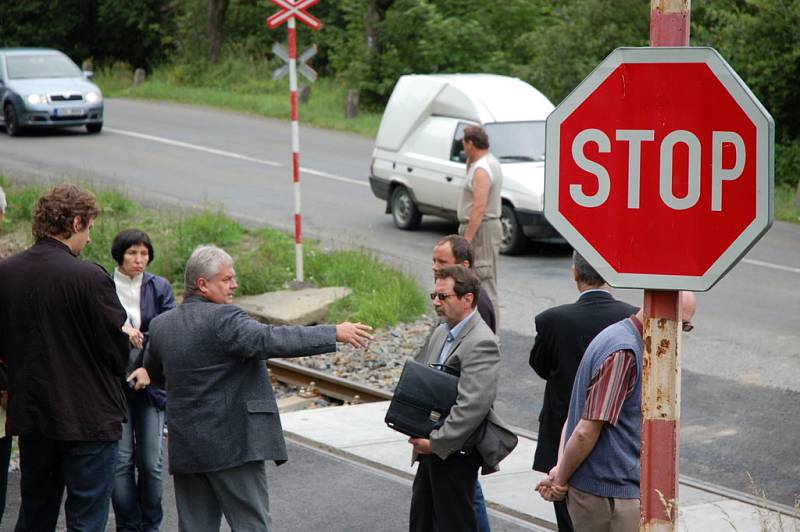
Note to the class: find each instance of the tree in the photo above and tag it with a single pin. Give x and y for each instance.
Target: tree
(215, 16)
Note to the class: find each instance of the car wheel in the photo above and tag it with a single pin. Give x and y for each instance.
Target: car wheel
(405, 213)
(513, 239)
(12, 122)
(94, 128)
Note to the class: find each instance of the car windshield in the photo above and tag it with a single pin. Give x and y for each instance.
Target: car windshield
(517, 142)
(41, 66)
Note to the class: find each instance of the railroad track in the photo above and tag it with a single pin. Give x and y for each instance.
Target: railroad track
(318, 383)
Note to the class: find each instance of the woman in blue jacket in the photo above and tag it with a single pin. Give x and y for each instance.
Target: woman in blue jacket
(137, 501)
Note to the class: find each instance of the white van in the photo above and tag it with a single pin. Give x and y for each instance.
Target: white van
(418, 164)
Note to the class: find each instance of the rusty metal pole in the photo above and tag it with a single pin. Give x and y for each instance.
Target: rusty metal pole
(661, 374)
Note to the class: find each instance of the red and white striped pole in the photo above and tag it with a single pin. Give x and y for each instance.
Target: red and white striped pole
(298, 219)
(661, 373)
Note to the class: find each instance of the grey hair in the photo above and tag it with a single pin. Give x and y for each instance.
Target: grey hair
(205, 262)
(584, 271)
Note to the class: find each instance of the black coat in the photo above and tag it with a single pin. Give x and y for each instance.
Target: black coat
(562, 335)
(61, 339)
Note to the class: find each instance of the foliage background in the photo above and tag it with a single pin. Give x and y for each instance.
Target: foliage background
(368, 44)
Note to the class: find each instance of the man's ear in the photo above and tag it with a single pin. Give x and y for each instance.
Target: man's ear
(202, 284)
(77, 224)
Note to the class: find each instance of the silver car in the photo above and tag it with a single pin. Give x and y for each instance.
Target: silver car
(40, 87)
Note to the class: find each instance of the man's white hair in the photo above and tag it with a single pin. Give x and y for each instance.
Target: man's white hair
(205, 262)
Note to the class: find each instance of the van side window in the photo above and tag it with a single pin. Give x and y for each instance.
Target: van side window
(457, 154)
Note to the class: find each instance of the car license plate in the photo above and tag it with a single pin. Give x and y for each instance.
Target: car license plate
(68, 111)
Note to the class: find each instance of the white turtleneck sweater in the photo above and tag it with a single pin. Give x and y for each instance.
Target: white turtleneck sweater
(129, 291)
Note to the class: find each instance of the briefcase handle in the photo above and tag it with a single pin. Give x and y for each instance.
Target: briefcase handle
(446, 369)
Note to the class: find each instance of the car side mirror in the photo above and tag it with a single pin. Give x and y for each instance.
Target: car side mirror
(88, 74)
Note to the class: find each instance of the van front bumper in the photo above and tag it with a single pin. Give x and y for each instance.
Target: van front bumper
(536, 227)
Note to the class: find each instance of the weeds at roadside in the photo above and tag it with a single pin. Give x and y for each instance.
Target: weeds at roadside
(264, 258)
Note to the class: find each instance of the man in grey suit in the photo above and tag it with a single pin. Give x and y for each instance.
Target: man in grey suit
(444, 487)
(223, 417)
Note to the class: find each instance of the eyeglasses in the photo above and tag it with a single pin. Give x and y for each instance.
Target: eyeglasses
(440, 295)
(686, 326)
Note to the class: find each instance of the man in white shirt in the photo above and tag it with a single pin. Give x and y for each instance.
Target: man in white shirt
(479, 210)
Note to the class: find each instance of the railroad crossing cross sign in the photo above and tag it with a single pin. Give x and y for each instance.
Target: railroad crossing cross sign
(659, 168)
(296, 9)
(302, 67)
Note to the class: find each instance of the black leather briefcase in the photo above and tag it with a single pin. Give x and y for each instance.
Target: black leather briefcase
(422, 400)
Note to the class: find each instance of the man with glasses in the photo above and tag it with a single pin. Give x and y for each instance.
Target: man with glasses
(444, 487)
(598, 466)
(453, 250)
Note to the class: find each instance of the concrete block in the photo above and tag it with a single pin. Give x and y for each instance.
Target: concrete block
(292, 307)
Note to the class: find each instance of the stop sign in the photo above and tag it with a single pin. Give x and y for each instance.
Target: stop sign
(659, 168)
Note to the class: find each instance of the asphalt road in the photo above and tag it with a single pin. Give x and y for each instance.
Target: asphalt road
(314, 491)
(741, 364)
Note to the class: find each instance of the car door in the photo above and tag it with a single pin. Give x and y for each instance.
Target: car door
(457, 168)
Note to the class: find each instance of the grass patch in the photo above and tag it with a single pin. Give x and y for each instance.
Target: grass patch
(786, 206)
(239, 85)
(264, 258)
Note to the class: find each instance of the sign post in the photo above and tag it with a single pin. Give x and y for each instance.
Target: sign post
(291, 10)
(659, 171)
(661, 368)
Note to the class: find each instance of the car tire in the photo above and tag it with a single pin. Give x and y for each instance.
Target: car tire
(405, 213)
(97, 127)
(12, 120)
(513, 241)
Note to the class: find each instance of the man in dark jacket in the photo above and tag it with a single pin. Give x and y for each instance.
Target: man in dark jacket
(61, 338)
(223, 417)
(562, 335)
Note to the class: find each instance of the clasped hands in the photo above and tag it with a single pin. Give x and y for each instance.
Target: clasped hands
(549, 490)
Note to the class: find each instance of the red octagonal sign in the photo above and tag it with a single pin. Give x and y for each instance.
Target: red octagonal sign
(659, 168)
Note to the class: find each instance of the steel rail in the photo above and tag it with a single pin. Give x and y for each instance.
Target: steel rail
(327, 385)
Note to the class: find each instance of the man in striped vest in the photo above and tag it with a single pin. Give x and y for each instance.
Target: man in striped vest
(598, 466)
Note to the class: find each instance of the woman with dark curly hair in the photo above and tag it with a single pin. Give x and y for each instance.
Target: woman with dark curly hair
(137, 501)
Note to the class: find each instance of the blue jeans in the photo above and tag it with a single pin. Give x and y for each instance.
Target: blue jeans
(481, 517)
(47, 466)
(137, 501)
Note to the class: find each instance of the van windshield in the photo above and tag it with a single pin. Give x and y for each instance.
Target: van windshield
(517, 142)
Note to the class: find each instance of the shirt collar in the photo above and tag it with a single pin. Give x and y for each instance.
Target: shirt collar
(590, 290)
(639, 325)
(456, 330)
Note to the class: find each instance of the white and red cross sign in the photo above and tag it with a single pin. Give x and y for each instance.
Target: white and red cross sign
(659, 168)
(296, 9)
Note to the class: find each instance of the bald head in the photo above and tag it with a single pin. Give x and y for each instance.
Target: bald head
(688, 308)
(688, 303)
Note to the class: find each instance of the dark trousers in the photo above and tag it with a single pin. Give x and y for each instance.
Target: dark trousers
(5, 458)
(443, 494)
(562, 517)
(47, 466)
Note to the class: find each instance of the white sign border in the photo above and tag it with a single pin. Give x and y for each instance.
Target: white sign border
(765, 142)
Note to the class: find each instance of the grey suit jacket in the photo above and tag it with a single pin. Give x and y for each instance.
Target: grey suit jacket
(475, 356)
(220, 405)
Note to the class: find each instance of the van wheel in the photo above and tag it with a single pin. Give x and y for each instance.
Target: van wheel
(513, 240)
(405, 213)
(95, 127)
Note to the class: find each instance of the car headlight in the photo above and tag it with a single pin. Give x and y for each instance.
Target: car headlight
(36, 99)
(93, 97)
